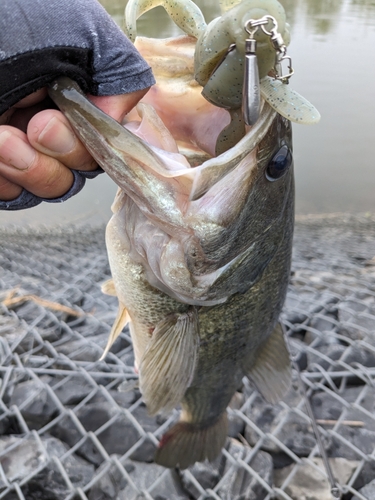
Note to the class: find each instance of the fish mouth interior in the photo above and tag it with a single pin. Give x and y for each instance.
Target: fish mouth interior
(194, 124)
(195, 139)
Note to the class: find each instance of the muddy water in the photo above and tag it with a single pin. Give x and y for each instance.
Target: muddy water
(333, 52)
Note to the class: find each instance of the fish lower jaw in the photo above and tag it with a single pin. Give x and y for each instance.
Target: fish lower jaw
(194, 155)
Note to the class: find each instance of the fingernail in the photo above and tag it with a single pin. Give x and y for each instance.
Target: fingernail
(14, 152)
(57, 137)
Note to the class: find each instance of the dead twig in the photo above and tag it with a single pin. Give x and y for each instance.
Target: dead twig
(11, 300)
(351, 423)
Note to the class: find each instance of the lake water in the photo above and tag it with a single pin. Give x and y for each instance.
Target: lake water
(333, 52)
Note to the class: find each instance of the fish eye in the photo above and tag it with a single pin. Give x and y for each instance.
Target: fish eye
(279, 164)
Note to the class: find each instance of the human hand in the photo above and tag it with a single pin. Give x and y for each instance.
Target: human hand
(39, 150)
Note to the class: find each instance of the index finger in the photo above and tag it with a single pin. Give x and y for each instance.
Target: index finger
(31, 99)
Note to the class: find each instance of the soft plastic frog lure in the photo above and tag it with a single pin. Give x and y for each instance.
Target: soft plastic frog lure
(239, 56)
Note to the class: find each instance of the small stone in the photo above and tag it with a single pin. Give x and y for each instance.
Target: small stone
(119, 437)
(326, 406)
(40, 410)
(81, 350)
(358, 354)
(362, 439)
(295, 432)
(309, 484)
(367, 491)
(149, 424)
(355, 319)
(80, 472)
(237, 483)
(365, 476)
(207, 474)
(49, 483)
(145, 451)
(123, 399)
(170, 488)
(323, 327)
(28, 455)
(108, 486)
(298, 353)
(67, 431)
(331, 351)
(160, 483)
(146, 448)
(72, 391)
(25, 456)
(281, 460)
(295, 311)
(324, 322)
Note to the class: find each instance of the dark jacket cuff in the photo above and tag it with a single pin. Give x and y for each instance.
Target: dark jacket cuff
(29, 200)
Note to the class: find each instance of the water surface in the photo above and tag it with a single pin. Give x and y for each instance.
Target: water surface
(333, 52)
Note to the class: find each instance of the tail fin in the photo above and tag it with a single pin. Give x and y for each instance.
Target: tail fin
(187, 443)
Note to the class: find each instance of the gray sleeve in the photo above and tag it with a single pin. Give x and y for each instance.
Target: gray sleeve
(43, 39)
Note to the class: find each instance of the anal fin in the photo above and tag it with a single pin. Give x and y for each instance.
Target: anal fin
(121, 321)
(186, 443)
(271, 372)
(168, 364)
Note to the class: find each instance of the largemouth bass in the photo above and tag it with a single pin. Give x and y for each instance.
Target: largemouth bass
(200, 242)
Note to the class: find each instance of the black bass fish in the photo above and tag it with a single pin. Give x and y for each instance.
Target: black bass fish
(199, 245)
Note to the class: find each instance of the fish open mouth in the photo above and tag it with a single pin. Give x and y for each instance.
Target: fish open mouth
(196, 127)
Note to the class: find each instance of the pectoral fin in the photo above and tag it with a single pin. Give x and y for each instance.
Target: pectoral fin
(271, 373)
(168, 365)
(121, 320)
